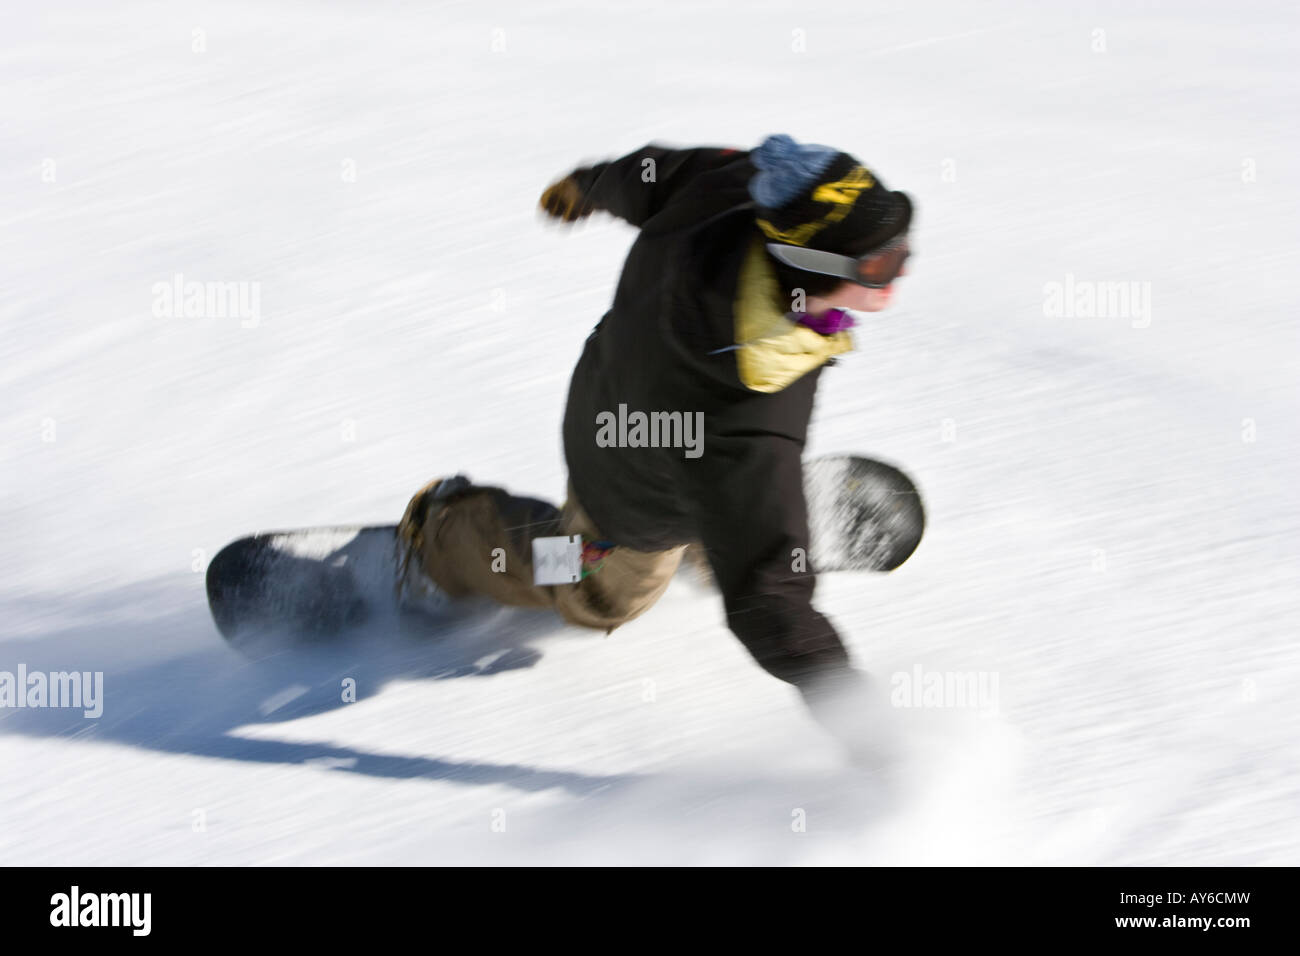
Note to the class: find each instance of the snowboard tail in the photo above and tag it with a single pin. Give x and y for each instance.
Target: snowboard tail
(863, 515)
(316, 581)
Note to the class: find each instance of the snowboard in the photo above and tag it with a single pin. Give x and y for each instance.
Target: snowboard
(863, 515)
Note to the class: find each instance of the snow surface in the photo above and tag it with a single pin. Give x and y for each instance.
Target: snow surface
(1112, 505)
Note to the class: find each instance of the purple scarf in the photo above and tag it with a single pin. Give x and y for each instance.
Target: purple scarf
(827, 323)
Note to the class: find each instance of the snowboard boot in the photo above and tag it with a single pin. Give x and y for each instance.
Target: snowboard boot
(850, 706)
(462, 539)
(415, 590)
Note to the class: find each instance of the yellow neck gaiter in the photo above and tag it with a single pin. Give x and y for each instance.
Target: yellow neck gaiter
(773, 351)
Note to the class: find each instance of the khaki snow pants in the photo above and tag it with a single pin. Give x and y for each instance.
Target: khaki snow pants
(478, 541)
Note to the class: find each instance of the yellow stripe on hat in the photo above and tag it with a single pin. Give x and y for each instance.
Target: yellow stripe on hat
(845, 192)
(841, 194)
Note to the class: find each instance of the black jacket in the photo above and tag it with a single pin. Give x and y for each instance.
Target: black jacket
(668, 344)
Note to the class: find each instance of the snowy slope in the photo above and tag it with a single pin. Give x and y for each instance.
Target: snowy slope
(1112, 502)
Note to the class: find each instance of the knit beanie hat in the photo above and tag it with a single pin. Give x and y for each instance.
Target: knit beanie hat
(816, 196)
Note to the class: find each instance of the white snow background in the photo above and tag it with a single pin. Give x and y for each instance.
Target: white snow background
(1112, 502)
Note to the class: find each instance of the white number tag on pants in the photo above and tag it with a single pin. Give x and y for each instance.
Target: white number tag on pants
(557, 560)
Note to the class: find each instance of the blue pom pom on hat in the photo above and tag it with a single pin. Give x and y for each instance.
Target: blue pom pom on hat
(787, 169)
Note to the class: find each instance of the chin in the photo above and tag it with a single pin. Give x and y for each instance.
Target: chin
(876, 300)
(862, 299)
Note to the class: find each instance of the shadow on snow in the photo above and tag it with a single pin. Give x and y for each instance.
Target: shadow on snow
(172, 685)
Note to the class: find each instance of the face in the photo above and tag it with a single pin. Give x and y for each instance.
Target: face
(858, 298)
(889, 260)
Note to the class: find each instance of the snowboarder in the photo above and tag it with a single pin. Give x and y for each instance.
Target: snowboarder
(735, 294)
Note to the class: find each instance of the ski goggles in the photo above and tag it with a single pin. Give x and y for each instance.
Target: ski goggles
(875, 270)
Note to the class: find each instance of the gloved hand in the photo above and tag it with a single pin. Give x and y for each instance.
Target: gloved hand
(564, 200)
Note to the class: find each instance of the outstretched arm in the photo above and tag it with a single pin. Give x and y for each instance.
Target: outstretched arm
(633, 187)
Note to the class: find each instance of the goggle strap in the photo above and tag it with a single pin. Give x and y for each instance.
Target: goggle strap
(814, 260)
(834, 264)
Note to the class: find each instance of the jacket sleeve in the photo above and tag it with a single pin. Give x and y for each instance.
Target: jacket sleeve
(638, 185)
(753, 526)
